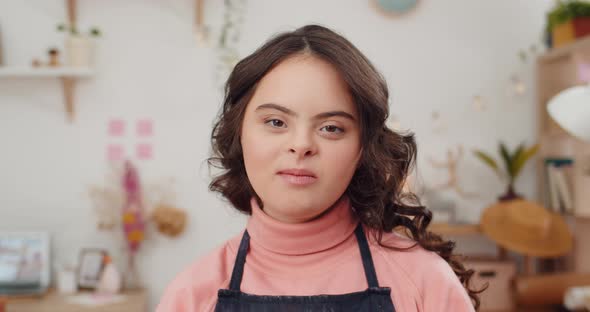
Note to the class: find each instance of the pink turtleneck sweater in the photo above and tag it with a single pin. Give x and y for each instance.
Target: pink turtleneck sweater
(318, 257)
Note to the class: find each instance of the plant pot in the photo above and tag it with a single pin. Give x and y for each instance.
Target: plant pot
(79, 51)
(509, 195)
(568, 32)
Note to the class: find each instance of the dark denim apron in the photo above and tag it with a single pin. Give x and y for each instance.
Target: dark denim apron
(373, 299)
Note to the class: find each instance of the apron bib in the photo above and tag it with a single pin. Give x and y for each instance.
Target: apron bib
(373, 299)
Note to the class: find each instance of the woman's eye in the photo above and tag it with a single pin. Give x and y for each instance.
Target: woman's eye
(277, 123)
(333, 129)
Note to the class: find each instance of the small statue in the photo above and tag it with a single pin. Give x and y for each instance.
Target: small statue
(451, 165)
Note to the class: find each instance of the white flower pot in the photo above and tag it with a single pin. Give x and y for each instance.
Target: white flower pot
(79, 51)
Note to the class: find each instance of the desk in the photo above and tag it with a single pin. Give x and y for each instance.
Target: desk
(135, 301)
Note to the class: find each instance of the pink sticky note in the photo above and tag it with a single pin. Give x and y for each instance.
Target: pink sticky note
(584, 72)
(116, 127)
(145, 127)
(144, 151)
(115, 152)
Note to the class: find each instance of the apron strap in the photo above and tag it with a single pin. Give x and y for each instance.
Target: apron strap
(238, 271)
(366, 256)
(236, 276)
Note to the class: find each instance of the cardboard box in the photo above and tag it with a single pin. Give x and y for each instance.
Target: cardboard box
(499, 276)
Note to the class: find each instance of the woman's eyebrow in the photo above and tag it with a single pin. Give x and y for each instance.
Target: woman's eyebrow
(292, 113)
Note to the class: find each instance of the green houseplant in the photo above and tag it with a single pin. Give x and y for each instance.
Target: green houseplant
(72, 30)
(513, 161)
(568, 20)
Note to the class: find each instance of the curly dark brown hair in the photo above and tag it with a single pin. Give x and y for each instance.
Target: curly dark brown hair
(376, 188)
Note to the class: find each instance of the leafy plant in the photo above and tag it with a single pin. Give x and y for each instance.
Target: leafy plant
(93, 32)
(513, 161)
(566, 10)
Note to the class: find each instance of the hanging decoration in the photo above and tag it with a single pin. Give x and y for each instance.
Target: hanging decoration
(227, 47)
(516, 85)
(170, 221)
(133, 216)
(124, 204)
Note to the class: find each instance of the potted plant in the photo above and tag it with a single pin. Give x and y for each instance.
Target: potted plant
(567, 21)
(79, 47)
(513, 163)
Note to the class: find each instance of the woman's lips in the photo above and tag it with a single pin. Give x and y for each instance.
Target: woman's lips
(298, 176)
(297, 180)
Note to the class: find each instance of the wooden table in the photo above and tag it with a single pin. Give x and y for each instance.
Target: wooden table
(135, 301)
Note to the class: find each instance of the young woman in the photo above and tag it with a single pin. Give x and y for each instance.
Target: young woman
(306, 154)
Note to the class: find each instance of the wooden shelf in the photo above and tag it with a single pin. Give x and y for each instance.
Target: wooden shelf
(565, 51)
(455, 229)
(448, 229)
(67, 75)
(44, 72)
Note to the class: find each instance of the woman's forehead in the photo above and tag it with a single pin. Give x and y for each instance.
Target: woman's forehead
(305, 84)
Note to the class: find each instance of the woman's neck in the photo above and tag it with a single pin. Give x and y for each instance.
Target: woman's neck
(324, 231)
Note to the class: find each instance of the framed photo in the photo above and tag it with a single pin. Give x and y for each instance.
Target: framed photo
(90, 267)
(24, 262)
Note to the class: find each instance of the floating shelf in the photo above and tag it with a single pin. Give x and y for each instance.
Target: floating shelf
(67, 75)
(42, 72)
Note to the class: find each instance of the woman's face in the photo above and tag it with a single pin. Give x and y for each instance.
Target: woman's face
(300, 138)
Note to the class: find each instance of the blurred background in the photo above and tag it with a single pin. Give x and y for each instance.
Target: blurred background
(106, 111)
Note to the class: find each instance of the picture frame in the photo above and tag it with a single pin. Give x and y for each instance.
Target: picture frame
(90, 267)
(24, 262)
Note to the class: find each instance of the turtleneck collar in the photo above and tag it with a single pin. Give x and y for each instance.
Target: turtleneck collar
(325, 232)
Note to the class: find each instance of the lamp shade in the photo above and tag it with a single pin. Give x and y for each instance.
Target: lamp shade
(571, 110)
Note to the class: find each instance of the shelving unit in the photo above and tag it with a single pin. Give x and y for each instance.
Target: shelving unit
(557, 70)
(67, 75)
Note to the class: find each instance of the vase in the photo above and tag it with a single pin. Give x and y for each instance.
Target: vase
(131, 278)
(569, 31)
(79, 51)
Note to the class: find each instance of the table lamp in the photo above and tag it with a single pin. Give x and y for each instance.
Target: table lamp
(570, 108)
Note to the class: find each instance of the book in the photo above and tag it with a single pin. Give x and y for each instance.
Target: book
(559, 193)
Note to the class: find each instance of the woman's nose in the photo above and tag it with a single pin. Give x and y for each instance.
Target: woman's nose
(303, 144)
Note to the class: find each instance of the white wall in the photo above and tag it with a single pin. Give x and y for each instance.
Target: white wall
(148, 66)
